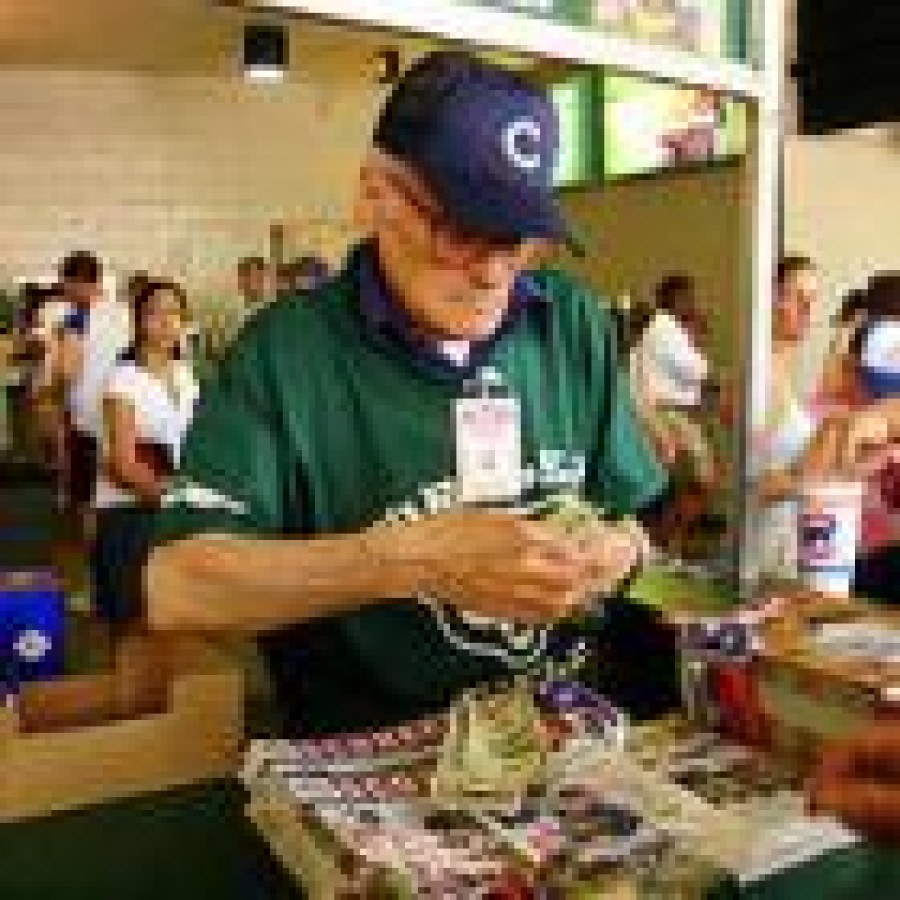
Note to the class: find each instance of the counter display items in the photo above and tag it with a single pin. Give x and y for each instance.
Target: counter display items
(485, 818)
(540, 787)
(501, 795)
(512, 788)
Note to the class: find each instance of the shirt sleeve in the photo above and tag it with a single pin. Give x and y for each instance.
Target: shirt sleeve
(235, 475)
(235, 478)
(122, 385)
(624, 474)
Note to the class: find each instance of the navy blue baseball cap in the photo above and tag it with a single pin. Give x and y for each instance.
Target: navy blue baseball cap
(484, 140)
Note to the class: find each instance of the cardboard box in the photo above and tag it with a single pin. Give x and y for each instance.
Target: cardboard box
(167, 713)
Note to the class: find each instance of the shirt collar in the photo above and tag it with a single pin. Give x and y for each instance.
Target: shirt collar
(384, 314)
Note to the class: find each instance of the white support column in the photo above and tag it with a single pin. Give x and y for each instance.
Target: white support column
(767, 53)
(768, 203)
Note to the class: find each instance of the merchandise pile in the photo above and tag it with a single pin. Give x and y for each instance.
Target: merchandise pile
(506, 797)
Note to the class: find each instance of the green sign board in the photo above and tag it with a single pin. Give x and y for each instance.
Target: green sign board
(649, 127)
(712, 28)
(572, 12)
(615, 126)
(577, 108)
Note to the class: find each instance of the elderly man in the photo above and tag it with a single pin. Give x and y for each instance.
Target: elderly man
(354, 484)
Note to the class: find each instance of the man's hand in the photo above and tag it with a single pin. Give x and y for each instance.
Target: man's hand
(868, 433)
(508, 567)
(774, 486)
(859, 782)
(616, 550)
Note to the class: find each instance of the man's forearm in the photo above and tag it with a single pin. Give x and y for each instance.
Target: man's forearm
(249, 585)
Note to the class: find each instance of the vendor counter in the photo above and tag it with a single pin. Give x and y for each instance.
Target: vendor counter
(197, 842)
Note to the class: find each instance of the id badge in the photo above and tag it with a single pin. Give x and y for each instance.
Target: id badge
(488, 449)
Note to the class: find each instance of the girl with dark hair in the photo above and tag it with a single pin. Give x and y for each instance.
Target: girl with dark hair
(148, 402)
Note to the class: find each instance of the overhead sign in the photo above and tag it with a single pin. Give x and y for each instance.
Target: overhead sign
(713, 28)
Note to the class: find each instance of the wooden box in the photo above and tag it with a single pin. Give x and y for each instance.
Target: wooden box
(165, 714)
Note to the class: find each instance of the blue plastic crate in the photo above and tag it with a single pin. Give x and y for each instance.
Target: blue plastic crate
(32, 627)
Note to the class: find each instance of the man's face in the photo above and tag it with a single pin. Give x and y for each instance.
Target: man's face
(685, 308)
(454, 286)
(794, 303)
(164, 321)
(253, 283)
(82, 293)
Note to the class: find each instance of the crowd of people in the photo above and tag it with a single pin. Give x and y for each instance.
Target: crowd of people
(110, 387)
(679, 398)
(845, 427)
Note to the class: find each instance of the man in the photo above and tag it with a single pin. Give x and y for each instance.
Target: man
(225, 320)
(671, 383)
(792, 420)
(253, 283)
(42, 311)
(84, 339)
(307, 272)
(860, 439)
(669, 373)
(320, 499)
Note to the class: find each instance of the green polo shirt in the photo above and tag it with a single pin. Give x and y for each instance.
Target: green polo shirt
(321, 423)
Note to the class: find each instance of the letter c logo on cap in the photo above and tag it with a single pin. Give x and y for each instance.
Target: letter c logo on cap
(522, 144)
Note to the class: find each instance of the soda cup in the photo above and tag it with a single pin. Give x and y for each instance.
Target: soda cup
(828, 528)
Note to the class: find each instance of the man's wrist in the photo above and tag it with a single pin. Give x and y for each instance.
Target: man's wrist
(397, 561)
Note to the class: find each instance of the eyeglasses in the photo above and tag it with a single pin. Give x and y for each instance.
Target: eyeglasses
(448, 243)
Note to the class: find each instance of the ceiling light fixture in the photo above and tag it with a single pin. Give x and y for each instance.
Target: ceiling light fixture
(264, 52)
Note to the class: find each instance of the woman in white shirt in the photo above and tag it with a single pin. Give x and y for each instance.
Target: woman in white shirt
(148, 403)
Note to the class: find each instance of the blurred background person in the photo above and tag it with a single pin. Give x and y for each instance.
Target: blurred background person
(876, 299)
(672, 388)
(306, 273)
(860, 440)
(223, 319)
(669, 372)
(134, 285)
(793, 419)
(148, 402)
(88, 332)
(42, 310)
(253, 283)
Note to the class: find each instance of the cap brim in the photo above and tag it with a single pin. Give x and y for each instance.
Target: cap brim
(499, 211)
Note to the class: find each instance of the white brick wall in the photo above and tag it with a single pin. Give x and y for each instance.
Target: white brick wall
(178, 175)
